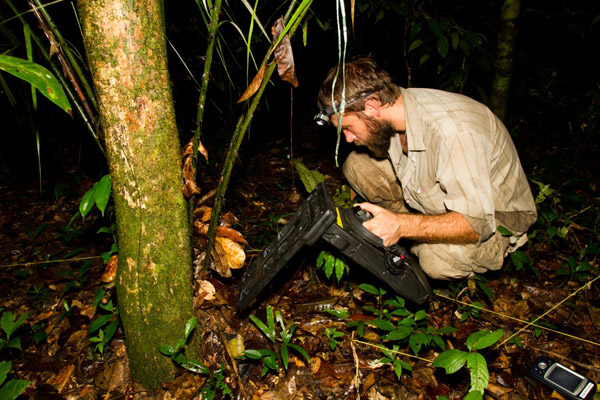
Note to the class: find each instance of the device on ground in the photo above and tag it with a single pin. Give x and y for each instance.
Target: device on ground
(563, 379)
(319, 218)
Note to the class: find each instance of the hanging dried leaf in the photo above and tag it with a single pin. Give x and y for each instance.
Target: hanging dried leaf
(111, 269)
(222, 231)
(190, 187)
(254, 85)
(283, 54)
(227, 255)
(202, 213)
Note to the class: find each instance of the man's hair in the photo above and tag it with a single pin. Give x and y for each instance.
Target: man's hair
(362, 76)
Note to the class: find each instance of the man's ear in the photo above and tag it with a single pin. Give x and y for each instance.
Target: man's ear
(373, 108)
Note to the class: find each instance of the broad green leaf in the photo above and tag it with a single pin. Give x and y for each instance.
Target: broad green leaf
(451, 360)
(400, 333)
(14, 343)
(164, 349)
(5, 367)
(397, 368)
(419, 315)
(479, 372)
(383, 324)
(482, 339)
(342, 314)
(340, 267)
(102, 193)
(474, 395)
(189, 326)
(99, 322)
(195, 366)
(446, 330)
(12, 389)
(309, 177)
(417, 340)
(87, 202)
(37, 76)
(415, 44)
(253, 354)
(369, 288)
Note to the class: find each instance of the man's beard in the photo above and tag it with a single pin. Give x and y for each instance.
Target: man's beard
(380, 135)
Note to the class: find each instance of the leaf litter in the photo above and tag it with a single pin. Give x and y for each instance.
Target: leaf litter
(56, 354)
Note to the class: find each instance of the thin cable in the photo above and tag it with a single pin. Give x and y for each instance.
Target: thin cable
(49, 262)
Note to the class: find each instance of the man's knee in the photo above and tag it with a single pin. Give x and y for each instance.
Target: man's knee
(452, 261)
(374, 180)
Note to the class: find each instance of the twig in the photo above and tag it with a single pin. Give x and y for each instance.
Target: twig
(356, 374)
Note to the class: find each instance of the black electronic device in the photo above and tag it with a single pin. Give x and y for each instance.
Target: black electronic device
(563, 379)
(319, 218)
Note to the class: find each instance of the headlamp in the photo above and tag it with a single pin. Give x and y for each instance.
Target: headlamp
(323, 116)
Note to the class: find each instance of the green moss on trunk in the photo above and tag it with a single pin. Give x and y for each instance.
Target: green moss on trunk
(125, 45)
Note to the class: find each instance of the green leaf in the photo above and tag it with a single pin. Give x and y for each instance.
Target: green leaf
(479, 372)
(482, 339)
(446, 330)
(369, 288)
(12, 389)
(37, 76)
(284, 356)
(5, 367)
(451, 360)
(414, 45)
(309, 177)
(14, 343)
(443, 46)
(195, 366)
(503, 231)
(340, 267)
(342, 313)
(383, 324)
(300, 350)
(253, 354)
(400, 333)
(102, 193)
(99, 322)
(416, 341)
(474, 395)
(189, 327)
(419, 315)
(87, 202)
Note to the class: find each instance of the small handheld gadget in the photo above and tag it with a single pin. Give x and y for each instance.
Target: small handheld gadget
(563, 379)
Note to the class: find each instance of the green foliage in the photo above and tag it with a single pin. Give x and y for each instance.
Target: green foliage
(330, 263)
(215, 382)
(454, 359)
(580, 269)
(9, 324)
(32, 234)
(391, 358)
(79, 278)
(333, 337)
(10, 390)
(106, 323)
(39, 77)
(309, 177)
(98, 195)
(402, 326)
(269, 357)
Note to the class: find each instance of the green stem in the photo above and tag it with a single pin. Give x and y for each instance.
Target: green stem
(240, 131)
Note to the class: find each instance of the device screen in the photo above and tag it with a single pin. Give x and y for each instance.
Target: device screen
(564, 378)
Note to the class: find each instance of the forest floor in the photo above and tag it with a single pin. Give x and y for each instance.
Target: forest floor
(51, 274)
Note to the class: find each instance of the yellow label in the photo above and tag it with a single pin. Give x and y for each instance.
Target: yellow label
(339, 218)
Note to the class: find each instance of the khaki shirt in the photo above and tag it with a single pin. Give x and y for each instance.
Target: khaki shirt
(461, 158)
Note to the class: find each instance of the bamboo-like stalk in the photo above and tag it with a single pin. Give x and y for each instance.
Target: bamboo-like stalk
(212, 38)
(240, 131)
(68, 53)
(77, 106)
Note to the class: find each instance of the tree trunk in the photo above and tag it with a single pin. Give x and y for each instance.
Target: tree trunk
(507, 38)
(125, 45)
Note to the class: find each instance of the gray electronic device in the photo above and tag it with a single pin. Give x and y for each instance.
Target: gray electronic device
(563, 379)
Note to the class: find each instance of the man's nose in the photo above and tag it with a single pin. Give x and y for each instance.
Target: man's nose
(349, 137)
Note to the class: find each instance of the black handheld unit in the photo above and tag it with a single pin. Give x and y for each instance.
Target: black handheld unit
(318, 217)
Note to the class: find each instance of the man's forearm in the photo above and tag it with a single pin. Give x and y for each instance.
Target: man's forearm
(451, 227)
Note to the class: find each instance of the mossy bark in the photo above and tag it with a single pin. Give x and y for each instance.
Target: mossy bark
(125, 46)
(507, 39)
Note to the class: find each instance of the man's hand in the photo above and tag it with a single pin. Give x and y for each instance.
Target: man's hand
(451, 227)
(384, 223)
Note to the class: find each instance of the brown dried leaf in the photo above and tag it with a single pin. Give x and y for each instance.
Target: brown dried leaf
(206, 291)
(111, 269)
(203, 213)
(227, 255)
(188, 149)
(189, 179)
(254, 85)
(284, 55)
(62, 378)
